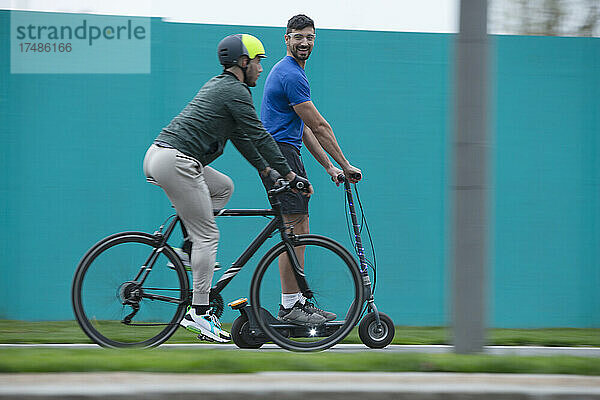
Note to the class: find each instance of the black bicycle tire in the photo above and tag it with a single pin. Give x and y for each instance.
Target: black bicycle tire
(352, 318)
(91, 255)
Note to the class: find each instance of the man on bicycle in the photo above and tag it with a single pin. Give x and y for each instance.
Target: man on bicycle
(178, 161)
(291, 117)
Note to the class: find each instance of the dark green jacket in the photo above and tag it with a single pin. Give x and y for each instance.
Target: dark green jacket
(223, 110)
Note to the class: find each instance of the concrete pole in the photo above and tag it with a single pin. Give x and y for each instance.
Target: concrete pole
(469, 190)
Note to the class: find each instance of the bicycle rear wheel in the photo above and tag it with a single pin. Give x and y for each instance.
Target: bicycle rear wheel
(333, 276)
(112, 305)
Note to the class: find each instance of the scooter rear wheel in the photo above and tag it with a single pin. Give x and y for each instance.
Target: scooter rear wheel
(240, 334)
(336, 283)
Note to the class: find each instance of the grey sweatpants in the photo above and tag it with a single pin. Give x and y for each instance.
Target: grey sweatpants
(194, 190)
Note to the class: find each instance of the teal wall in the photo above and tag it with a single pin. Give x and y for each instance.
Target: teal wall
(547, 182)
(74, 144)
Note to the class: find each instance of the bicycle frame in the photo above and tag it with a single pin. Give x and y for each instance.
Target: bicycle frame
(256, 325)
(274, 225)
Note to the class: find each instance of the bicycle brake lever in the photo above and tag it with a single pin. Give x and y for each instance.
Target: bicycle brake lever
(273, 192)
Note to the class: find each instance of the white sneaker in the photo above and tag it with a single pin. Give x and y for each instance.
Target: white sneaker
(184, 257)
(185, 260)
(207, 326)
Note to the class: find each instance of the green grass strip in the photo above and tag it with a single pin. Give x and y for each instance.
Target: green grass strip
(237, 361)
(69, 332)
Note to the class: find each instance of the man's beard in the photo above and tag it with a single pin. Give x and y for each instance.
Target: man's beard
(299, 57)
(250, 83)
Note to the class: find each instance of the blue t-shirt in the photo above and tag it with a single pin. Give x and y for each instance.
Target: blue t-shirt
(286, 86)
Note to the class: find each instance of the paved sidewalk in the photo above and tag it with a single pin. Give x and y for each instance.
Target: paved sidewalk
(431, 349)
(298, 386)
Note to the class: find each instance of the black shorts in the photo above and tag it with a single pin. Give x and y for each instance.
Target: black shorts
(292, 203)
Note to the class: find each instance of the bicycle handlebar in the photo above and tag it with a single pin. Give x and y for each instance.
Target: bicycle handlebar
(285, 186)
(341, 178)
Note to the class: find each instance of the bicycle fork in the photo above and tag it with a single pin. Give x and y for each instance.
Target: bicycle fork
(296, 267)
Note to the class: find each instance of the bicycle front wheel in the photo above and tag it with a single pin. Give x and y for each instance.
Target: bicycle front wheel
(127, 292)
(334, 278)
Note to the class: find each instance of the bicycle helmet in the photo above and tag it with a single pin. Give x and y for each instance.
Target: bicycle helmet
(232, 47)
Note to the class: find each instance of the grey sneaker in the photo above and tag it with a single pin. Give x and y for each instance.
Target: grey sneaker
(299, 315)
(311, 308)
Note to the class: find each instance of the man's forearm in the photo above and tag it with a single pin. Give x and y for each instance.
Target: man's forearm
(313, 145)
(322, 131)
(249, 152)
(289, 177)
(326, 139)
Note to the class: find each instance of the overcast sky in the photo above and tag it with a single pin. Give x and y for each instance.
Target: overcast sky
(382, 15)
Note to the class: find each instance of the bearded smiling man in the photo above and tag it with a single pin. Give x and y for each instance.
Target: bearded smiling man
(290, 116)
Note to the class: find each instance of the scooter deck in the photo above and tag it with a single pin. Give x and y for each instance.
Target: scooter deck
(287, 329)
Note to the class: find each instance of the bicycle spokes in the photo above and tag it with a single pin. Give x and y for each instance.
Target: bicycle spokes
(123, 310)
(334, 280)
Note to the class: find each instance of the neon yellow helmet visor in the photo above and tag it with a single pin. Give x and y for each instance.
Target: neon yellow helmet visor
(253, 46)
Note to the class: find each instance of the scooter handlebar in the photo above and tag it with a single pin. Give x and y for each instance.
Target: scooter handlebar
(342, 178)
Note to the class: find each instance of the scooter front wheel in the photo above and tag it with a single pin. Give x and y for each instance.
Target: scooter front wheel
(376, 336)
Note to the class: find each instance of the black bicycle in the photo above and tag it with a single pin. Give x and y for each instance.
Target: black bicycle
(131, 289)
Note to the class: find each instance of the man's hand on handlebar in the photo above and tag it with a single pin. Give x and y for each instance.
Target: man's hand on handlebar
(272, 176)
(295, 183)
(334, 172)
(352, 173)
(300, 184)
